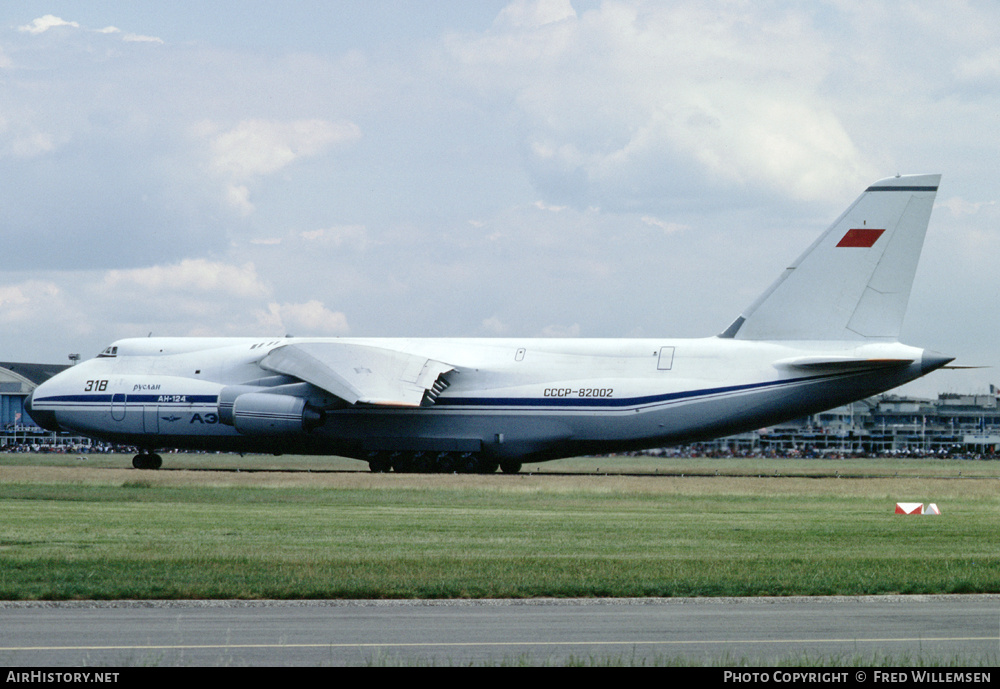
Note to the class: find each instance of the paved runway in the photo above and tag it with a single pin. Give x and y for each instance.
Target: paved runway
(963, 629)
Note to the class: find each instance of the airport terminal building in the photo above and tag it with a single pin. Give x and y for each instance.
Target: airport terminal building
(891, 424)
(885, 424)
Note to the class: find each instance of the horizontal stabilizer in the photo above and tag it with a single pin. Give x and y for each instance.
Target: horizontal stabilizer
(361, 373)
(812, 363)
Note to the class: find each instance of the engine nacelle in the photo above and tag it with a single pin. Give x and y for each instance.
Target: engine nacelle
(262, 413)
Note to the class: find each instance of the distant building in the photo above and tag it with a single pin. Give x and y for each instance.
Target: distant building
(17, 382)
(886, 424)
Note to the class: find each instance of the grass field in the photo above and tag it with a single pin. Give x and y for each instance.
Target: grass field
(93, 529)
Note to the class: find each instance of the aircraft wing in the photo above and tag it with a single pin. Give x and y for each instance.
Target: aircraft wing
(362, 373)
(842, 363)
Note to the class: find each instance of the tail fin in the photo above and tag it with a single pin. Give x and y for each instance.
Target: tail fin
(854, 281)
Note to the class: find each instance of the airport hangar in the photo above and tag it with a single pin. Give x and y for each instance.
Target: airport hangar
(17, 382)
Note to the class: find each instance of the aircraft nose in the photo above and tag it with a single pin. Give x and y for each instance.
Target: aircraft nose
(45, 419)
(930, 361)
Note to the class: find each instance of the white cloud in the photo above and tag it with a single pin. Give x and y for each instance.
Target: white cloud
(983, 66)
(43, 24)
(37, 305)
(542, 206)
(191, 298)
(28, 143)
(238, 196)
(535, 13)
(494, 326)
(256, 148)
(18, 302)
(261, 147)
(621, 101)
(190, 275)
(667, 227)
(303, 319)
(959, 206)
(561, 330)
(349, 236)
(139, 38)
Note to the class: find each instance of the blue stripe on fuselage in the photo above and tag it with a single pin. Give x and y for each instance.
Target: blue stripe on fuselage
(129, 399)
(626, 401)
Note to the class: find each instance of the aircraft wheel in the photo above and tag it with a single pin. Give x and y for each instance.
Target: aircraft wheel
(510, 467)
(379, 463)
(487, 466)
(444, 463)
(468, 463)
(402, 465)
(147, 460)
(424, 463)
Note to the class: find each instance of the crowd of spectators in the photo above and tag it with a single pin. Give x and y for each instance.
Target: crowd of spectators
(713, 450)
(31, 445)
(716, 450)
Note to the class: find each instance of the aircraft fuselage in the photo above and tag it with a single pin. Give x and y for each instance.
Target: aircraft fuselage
(507, 398)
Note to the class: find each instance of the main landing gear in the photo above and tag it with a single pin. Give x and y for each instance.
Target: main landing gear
(438, 463)
(147, 460)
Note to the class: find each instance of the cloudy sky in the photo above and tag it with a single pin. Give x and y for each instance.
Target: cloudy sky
(450, 168)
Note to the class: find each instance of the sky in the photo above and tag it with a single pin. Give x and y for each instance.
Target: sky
(445, 168)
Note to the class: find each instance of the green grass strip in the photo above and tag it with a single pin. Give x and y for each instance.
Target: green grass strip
(513, 537)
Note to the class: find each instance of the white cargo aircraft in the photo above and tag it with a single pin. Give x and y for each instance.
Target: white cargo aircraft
(824, 334)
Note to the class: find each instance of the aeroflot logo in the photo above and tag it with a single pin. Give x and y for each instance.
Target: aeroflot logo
(860, 238)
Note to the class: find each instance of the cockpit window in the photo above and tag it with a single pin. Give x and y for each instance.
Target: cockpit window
(108, 352)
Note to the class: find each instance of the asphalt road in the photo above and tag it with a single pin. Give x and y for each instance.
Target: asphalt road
(956, 629)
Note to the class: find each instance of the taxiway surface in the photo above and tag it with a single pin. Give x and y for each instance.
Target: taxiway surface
(962, 629)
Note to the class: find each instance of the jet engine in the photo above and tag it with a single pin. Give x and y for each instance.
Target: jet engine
(267, 413)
